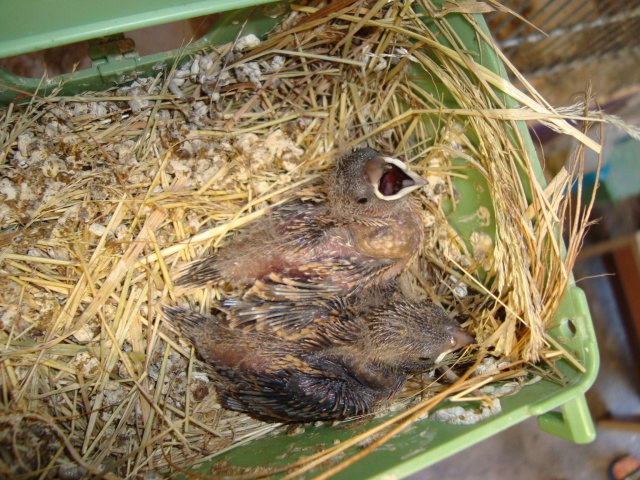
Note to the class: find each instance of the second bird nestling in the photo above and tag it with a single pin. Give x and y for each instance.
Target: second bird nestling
(326, 359)
(365, 232)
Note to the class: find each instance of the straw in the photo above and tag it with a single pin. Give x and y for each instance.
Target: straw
(112, 190)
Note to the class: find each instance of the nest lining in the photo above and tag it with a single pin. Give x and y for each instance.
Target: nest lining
(105, 192)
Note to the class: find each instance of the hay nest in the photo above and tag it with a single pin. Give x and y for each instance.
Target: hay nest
(104, 193)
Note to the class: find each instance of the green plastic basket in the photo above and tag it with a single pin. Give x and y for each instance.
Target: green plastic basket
(561, 409)
(36, 25)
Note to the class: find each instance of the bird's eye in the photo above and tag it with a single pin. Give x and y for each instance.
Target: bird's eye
(362, 201)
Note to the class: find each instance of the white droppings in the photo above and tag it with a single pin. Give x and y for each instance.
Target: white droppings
(482, 246)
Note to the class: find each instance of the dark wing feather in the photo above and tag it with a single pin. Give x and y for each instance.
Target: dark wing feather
(197, 274)
(350, 276)
(300, 393)
(306, 325)
(301, 226)
(190, 324)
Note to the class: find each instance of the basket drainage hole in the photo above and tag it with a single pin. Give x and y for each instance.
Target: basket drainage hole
(568, 328)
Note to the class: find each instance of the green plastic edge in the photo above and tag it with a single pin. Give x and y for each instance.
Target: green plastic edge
(28, 26)
(121, 69)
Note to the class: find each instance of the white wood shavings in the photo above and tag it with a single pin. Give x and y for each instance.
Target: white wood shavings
(122, 233)
(25, 140)
(35, 252)
(58, 253)
(446, 245)
(8, 189)
(86, 364)
(84, 334)
(68, 471)
(125, 149)
(437, 187)
(97, 229)
(501, 389)
(9, 317)
(467, 416)
(114, 394)
(459, 288)
(52, 166)
(261, 152)
(97, 109)
(174, 87)
(6, 214)
(262, 187)
(246, 42)
(66, 222)
(489, 364)
(205, 63)
(136, 90)
(53, 128)
(21, 160)
(78, 109)
(194, 68)
(246, 141)
(180, 167)
(249, 72)
(206, 170)
(200, 109)
(39, 154)
(225, 78)
(276, 64)
(283, 147)
(29, 192)
(52, 190)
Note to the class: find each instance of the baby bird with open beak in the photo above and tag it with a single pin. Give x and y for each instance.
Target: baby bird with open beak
(365, 232)
(328, 359)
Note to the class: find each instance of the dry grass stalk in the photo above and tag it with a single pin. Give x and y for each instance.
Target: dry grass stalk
(117, 187)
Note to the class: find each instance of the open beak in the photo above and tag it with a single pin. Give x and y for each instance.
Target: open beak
(396, 180)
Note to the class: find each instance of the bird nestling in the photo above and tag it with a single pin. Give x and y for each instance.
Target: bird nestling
(321, 360)
(365, 232)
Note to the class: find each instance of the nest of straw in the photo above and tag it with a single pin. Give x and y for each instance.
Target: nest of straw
(104, 193)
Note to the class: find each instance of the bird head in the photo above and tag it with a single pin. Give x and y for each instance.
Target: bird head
(367, 181)
(414, 336)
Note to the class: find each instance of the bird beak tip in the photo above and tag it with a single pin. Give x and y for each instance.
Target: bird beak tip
(462, 338)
